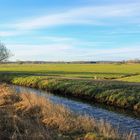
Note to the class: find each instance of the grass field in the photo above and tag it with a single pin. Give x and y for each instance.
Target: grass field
(131, 78)
(90, 71)
(105, 83)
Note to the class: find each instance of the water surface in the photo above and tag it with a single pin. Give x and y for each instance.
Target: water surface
(125, 121)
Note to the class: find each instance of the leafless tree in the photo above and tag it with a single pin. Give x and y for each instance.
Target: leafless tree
(4, 52)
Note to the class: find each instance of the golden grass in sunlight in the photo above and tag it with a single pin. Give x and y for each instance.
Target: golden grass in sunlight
(28, 116)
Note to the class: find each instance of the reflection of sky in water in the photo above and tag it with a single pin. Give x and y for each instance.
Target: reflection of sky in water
(125, 123)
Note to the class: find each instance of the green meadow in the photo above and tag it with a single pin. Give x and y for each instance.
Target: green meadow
(113, 84)
(123, 72)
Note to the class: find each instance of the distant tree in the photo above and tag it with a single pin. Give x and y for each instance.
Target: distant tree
(19, 62)
(4, 52)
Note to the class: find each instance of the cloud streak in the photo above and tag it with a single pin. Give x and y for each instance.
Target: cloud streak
(8, 33)
(104, 28)
(63, 52)
(90, 15)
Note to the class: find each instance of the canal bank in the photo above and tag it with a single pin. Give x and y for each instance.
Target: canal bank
(124, 121)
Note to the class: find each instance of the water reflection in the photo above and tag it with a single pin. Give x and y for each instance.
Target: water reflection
(126, 121)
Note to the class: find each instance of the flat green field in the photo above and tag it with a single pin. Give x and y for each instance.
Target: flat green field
(124, 72)
(92, 82)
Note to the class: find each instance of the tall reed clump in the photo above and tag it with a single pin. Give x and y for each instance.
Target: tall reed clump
(28, 116)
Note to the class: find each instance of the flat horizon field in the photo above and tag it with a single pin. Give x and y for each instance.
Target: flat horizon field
(123, 72)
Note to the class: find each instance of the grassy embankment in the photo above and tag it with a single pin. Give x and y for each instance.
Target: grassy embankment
(124, 95)
(28, 116)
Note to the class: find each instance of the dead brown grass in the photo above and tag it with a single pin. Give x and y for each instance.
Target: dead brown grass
(28, 116)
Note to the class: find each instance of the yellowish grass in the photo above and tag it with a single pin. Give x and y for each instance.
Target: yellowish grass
(28, 116)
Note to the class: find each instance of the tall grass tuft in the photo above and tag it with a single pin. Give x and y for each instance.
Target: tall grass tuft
(28, 116)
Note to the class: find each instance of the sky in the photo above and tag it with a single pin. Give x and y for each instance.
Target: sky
(71, 30)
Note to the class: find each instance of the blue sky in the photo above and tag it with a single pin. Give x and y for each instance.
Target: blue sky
(62, 30)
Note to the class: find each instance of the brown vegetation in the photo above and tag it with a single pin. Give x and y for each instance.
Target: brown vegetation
(28, 116)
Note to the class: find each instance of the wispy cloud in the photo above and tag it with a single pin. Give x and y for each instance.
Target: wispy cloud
(28, 49)
(11, 32)
(8, 33)
(62, 52)
(79, 42)
(93, 15)
(88, 15)
(56, 38)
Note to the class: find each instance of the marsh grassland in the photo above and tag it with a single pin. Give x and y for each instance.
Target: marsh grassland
(27, 116)
(113, 84)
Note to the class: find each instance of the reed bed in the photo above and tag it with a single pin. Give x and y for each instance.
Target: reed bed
(29, 116)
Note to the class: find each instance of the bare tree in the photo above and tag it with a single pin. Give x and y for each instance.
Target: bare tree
(4, 52)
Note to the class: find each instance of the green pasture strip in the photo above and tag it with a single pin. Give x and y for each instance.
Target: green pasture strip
(87, 75)
(62, 68)
(120, 94)
(135, 78)
(89, 71)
